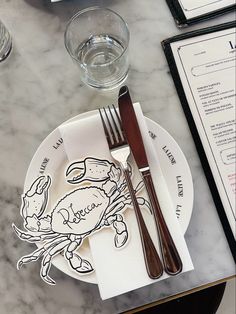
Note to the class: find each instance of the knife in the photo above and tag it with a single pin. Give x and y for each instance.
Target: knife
(171, 259)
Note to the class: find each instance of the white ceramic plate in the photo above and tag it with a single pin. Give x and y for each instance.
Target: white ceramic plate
(50, 158)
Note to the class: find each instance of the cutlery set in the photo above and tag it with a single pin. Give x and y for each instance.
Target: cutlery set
(123, 136)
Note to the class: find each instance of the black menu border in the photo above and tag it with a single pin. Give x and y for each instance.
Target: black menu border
(181, 19)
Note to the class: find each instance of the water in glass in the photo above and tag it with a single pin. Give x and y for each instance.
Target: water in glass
(104, 59)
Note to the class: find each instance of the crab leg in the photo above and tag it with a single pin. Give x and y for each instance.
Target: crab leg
(125, 199)
(54, 242)
(121, 236)
(139, 187)
(118, 203)
(34, 256)
(30, 258)
(142, 201)
(75, 261)
(26, 236)
(118, 192)
(117, 221)
(46, 261)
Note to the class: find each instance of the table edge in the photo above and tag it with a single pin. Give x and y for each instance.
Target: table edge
(178, 295)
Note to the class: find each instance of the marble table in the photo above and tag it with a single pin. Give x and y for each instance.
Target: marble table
(39, 89)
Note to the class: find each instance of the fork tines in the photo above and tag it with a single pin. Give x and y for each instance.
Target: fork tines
(112, 127)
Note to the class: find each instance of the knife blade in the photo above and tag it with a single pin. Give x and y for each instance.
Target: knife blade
(171, 259)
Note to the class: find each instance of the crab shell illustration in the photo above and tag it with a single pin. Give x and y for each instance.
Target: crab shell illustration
(76, 215)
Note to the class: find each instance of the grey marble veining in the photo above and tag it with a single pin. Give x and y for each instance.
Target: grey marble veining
(39, 89)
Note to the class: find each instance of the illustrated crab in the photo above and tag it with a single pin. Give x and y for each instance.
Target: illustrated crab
(96, 204)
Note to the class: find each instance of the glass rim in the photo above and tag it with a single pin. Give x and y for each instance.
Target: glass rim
(94, 8)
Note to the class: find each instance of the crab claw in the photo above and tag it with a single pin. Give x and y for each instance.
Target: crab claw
(90, 169)
(120, 239)
(39, 186)
(35, 200)
(80, 265)
(121, 236)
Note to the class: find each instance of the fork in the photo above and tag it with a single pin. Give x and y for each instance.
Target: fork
(120, 151)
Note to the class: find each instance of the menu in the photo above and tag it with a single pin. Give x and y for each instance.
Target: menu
(188, 11)
(204, 63)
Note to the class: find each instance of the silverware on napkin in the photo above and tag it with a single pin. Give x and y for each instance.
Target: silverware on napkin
(120, 151)
(171, 259)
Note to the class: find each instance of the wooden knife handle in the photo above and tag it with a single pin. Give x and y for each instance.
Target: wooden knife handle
(171, 259)
(151, 257)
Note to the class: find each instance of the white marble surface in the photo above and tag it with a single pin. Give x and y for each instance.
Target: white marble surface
(39, 89)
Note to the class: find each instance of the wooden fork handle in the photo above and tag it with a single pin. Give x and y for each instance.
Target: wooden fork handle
(151, 257)
(171, 259)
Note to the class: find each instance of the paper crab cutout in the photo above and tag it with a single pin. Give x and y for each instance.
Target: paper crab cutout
(76, 215)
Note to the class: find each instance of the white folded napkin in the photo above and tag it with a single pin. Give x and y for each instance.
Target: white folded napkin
(122, 270)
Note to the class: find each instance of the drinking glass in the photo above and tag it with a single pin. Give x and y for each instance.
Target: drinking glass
(5, 42)
(97, 40)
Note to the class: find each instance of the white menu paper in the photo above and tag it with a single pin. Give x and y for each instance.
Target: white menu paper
(195, 8)
(206, 65)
